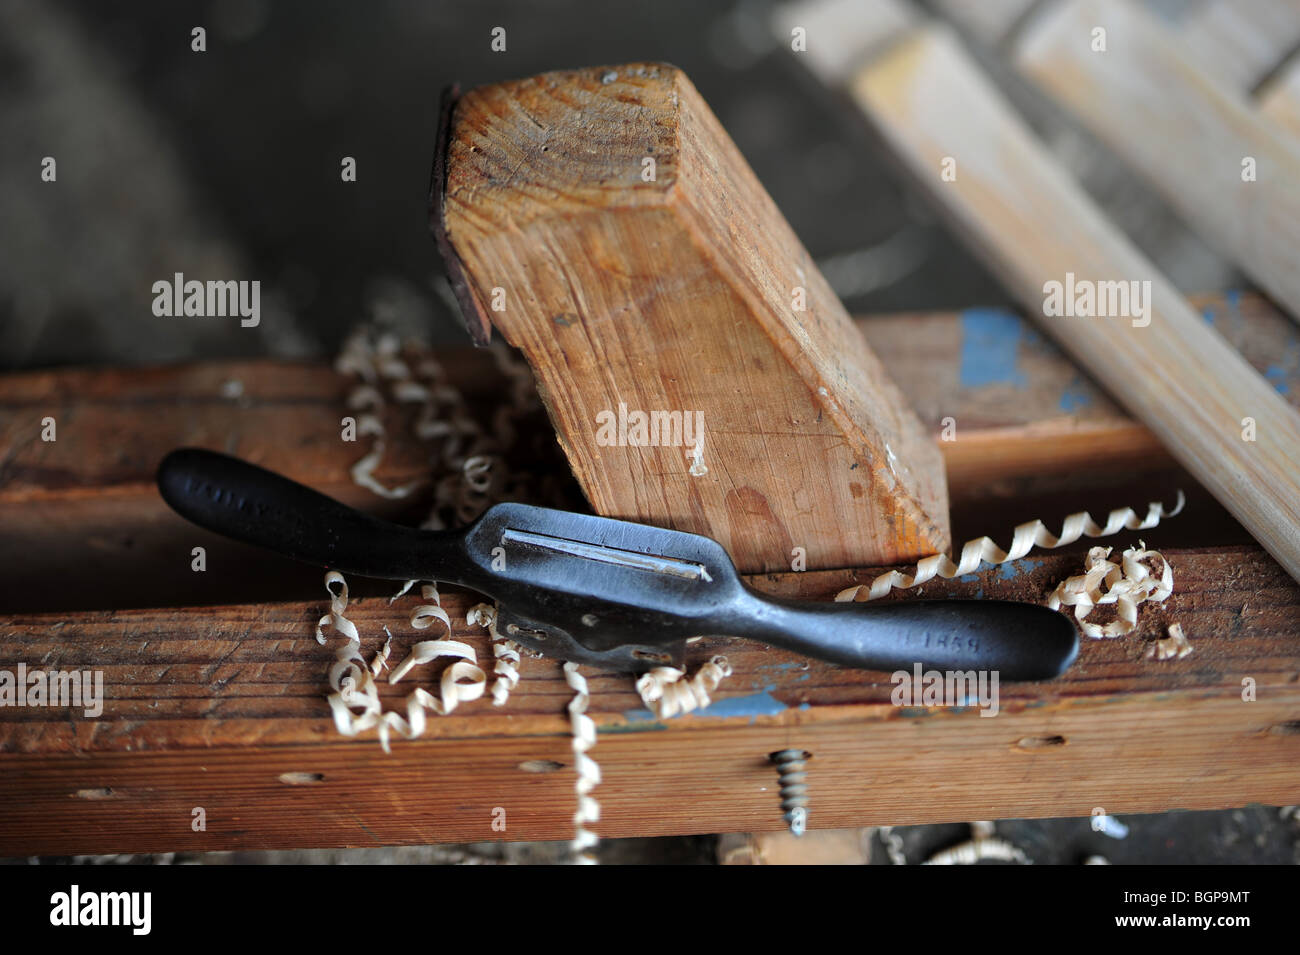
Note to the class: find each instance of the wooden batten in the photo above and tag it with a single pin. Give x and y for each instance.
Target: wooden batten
(1035, 226)
(618, 238)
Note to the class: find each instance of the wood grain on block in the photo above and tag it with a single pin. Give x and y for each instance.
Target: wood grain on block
(635, 297)
(1034, 225)
(1229, 172)
(223, 707)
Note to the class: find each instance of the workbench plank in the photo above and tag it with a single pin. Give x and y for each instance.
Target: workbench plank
(212, 706)
(82, 525)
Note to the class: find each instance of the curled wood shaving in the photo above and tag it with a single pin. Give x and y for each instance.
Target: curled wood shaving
(1174, 646)
(505, 651)
(473, 471)
(983, 844)
(666, 693)
(1034, 533)
(969, 853)
(584, 738)
(1126, 585)
(381, 658)
(422, 617)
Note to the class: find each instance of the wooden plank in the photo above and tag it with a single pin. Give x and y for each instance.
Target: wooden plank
(1184, 132)
(1241, 43)
(1034, 225)
(678, 288)
(81, 521)
(80, 517)
(1279, 100)
(989, 21)
(222, 708)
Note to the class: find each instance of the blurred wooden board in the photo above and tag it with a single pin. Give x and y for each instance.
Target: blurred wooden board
(222, 708)
(1241, 43)
(1180, 127)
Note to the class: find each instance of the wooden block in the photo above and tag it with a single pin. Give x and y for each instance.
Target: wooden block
(1034, 225)
(223, 707)
(1185, 132)
(688, 295)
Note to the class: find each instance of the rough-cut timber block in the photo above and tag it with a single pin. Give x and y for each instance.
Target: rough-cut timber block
(611, 230)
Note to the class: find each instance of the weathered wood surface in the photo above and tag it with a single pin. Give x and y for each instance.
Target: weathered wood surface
(686, 294)
(1035, 225)
(223, 708)
(1184, 131)
(80, 517)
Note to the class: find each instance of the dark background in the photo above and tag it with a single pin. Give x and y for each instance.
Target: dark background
(226, 163)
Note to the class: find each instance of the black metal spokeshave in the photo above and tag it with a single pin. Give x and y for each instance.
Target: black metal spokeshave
(610, 593)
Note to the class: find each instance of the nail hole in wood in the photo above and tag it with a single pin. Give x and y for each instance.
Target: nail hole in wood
(302, 779)
(540, 765)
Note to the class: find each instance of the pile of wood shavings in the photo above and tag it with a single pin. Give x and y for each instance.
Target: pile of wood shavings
(666, 692)
(471, 474)
(355, 702)
(1126, 584)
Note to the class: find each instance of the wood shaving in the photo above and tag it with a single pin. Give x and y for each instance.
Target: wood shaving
(1173, 647)
(422, 617)
(1127, 585)
(584, 738)
(666, 692)
(471, 471)
(982, 845)
(893, 845)
(976, 850)
(505, 650)
(1034, 533)
(354, 702)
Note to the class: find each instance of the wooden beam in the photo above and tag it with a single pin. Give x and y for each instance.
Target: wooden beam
(642, 270)
(223, 708)
(1184, 132)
